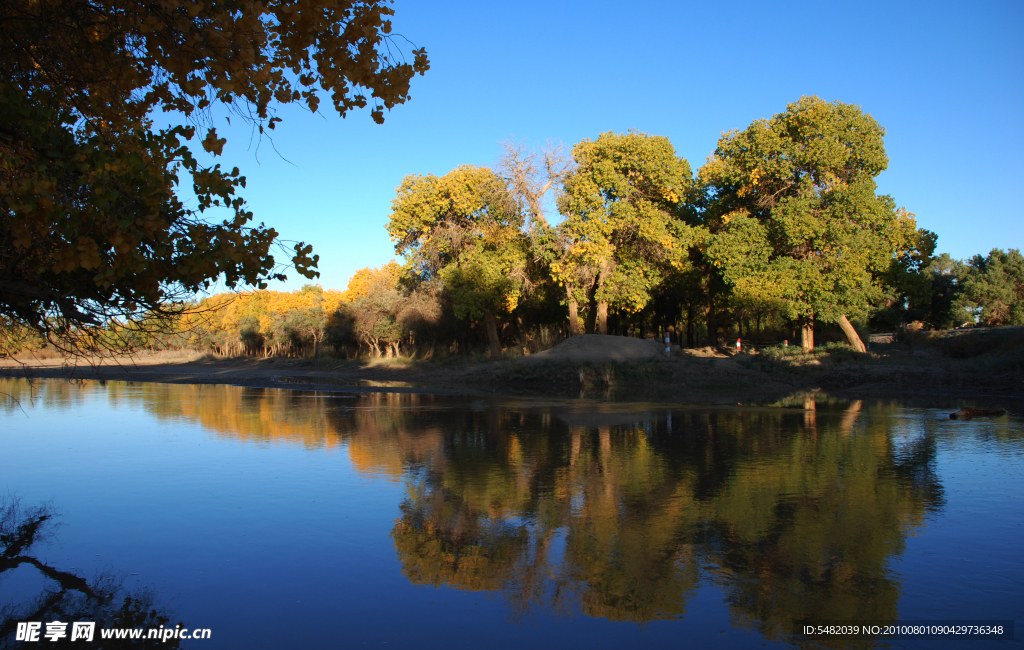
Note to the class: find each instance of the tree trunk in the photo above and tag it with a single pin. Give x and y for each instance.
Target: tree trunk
(851, 334)
(690, 333)
(807, 333)
(591, 316)
(709, 311)
(492, 335)
(574, 318)
(598, 310)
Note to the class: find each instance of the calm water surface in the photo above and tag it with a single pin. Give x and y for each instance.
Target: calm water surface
(286, 519)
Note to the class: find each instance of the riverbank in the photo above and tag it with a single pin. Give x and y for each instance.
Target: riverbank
(594, 366)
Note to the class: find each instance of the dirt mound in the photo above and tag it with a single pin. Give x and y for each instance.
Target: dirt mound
(599, 348)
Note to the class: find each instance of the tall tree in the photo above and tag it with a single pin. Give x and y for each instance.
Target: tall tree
(531, 174)
(802, 221)
(91, 227)
(465, 229)
(621, 206)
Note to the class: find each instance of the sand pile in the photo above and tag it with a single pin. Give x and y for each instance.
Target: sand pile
(599, 348)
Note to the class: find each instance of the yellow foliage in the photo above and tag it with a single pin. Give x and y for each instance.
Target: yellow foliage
(360, 284)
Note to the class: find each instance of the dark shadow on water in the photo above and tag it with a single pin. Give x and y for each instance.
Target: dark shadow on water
(67, 597)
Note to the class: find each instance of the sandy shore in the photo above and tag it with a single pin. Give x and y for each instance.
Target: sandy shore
(245, 371)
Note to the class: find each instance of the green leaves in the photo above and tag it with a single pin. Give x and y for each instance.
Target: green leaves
(794, 213)
(994, 287)
(622, 205)
(465, 229)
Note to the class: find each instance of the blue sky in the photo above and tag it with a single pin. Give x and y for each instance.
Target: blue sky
(946, 80)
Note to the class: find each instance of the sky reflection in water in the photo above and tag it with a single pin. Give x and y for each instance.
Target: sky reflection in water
(296, 519)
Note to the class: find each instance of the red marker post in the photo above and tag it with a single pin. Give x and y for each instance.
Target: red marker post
(738, 346)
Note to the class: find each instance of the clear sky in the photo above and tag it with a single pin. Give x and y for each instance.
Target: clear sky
(945, 79)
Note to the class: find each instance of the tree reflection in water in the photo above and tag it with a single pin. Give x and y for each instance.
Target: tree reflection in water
(66, 596)
(795, 514)
(622, 511)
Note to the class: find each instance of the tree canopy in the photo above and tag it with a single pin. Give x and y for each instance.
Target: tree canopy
(800, 219)
(620, 205)
(92, 226)
(465, 229)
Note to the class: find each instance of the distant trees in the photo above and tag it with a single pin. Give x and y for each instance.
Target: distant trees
(993, 287)
(371, 312)
(264, 323)
(943, 279)
(942, 292)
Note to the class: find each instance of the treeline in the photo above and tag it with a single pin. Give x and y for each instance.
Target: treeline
(780, 235)
(265, 323)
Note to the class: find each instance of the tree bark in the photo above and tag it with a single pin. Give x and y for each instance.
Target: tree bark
(851, 334)
(591, 317)
(689, 325)
(598, 310)
(492, 335)
(709, 312)
(574, 318)
(807, 333)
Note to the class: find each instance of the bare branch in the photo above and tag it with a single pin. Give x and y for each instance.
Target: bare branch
(532, 173)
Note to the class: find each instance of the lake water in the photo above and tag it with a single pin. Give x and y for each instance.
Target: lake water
(290, 519)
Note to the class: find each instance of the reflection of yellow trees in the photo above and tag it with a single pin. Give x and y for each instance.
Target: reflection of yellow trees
(382, 436)
(628, 533)
(250, 414)
(794, 513)
(25, 394)
(797, 516)
(807, 531)
(452, 547)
